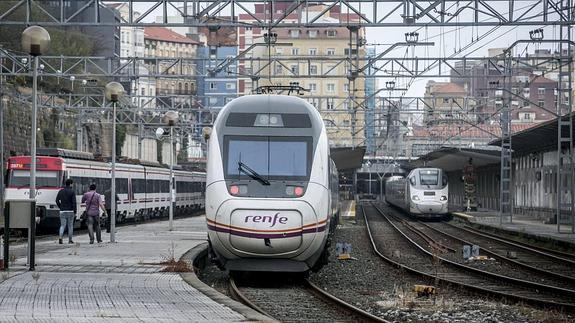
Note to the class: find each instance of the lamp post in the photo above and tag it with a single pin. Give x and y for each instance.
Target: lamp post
(170, 119)
(114, 92)
(35, 40)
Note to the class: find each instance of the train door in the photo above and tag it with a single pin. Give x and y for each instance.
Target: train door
(131, 201)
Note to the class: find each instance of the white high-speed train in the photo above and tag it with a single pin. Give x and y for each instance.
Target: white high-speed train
(423, 193)
(271, 187)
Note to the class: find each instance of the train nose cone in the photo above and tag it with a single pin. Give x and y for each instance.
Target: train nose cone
(266, 231)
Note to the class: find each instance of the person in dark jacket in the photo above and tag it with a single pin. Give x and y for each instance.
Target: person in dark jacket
(66, 201)
(108, 204)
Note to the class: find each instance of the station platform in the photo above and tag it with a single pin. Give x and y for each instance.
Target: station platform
(113, 282)
(522, 224)
(348, 208)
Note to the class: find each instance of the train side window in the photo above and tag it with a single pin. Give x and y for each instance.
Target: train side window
(444, 180)
(412, 180)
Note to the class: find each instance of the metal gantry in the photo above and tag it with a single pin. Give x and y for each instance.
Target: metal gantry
(565, 161)
(222, 13)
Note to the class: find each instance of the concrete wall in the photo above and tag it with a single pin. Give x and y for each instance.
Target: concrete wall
(487, 188)
(149, 148)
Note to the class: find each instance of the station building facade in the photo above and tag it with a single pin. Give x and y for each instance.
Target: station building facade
(535, 173)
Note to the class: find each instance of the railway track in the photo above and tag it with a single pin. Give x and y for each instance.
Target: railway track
(524, 264)
(407, 252)
(297, 301)
(552, 252)
(541, 264)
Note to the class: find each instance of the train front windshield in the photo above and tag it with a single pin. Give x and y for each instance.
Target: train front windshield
(270, 157)
(431, 178)
(21, 178)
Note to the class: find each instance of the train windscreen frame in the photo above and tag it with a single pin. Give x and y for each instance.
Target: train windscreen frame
(273, 157)
(45, 178)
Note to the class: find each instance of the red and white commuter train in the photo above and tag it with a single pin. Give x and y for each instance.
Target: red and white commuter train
(143, 191)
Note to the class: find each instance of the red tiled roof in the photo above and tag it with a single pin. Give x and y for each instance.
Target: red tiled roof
(466, 131)
(168, 35)
(450, 88)
(541, 79)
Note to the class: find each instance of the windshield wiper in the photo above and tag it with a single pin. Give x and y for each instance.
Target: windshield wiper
(252, 173)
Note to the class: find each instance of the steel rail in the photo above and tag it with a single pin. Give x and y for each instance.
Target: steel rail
(316, 290)
(555, 254)
(498, 256)
(528, 300)
(525, 283)
(238, 295)
(355, 310)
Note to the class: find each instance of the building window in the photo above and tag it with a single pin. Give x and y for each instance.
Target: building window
(312, 87)
(212, 86)
(312, 33)
(331, 33)
(279, 50)
(294, 33)
(346, 87)
(186, 87)
(230, 86)
(314, 102)
(295, 51)
(313, 51)
(278, 70)
(213, 100)
(541, 92)
(143, 91)
(294, 69)
(228, 100)
(541, 103)
(313, 69)
(331, 87)
(330, 51)
(330, 103)
(330, 69)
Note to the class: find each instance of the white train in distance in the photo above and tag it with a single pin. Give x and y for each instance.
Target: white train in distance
(271, 187)
(143, 191)
(422, 194)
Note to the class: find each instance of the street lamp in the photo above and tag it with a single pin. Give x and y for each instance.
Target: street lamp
(114, 92)
(170, 119)
(35, 40)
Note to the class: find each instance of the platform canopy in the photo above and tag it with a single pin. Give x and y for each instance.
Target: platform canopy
(347, 158)
(541, 137)
(451, 158)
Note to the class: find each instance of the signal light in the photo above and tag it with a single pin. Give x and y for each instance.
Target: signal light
(298, 191)
(234, 190)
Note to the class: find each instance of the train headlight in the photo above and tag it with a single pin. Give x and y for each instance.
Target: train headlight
(238, 189)
(268, 120)
(294, 190)
(443, 198)
(415, 198)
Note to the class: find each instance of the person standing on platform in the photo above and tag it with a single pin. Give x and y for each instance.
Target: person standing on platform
(108, 203)
(66, 201)
(94, 203)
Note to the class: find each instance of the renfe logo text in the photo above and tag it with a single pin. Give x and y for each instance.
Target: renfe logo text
(267, 219)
